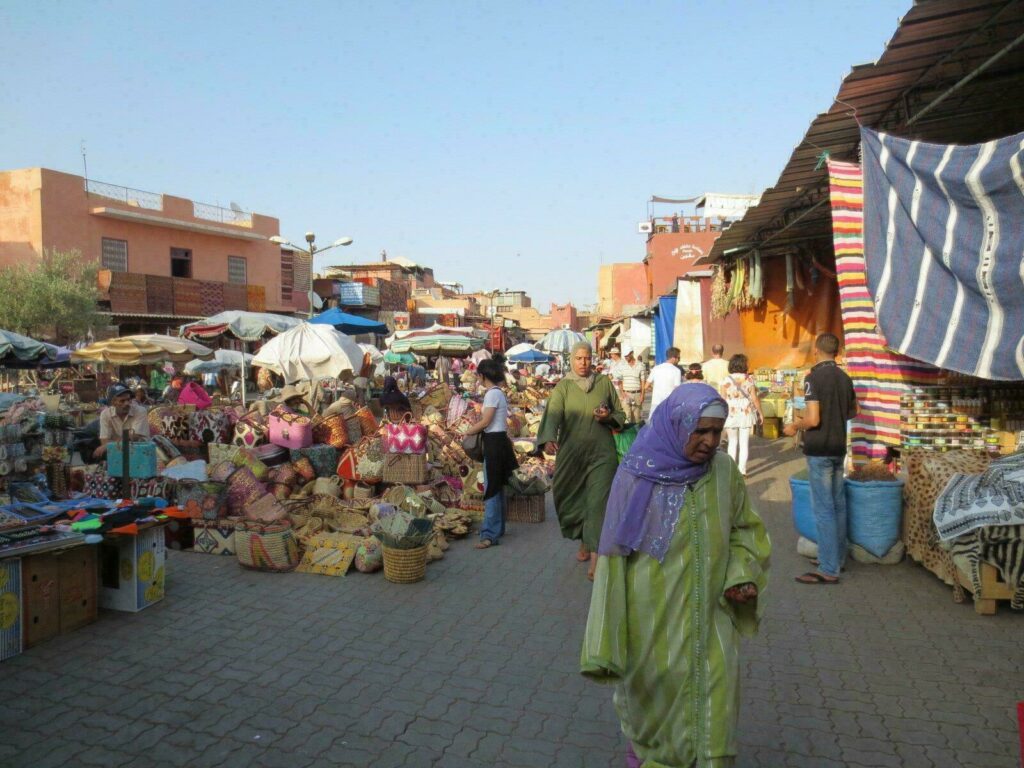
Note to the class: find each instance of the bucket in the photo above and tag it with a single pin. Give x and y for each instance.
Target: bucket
(803, 516)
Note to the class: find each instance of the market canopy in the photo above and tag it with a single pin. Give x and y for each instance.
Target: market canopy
(310, 352)
(245, 326)
(222, 359)
(437, 330)
(142, 349)
(530, 356)
(439, 344)
(17, 351)
(394, 358)
(353, 325)
(560, 341)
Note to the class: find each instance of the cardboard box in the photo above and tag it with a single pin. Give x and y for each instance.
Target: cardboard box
(10, 608)
(78, 600)
(132, 570)
(40, 578)
(59, 593)
(771, 429)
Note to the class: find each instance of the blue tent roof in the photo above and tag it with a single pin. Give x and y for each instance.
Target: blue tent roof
(530, 356)
(353, 325)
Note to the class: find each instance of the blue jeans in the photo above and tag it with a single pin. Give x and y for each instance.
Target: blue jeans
(493, 526)
(828, 502)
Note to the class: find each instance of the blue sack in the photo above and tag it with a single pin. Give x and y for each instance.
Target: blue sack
(803, 515)
(874, 513)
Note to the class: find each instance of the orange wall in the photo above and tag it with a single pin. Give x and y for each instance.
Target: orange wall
(664, 266)
(21, 223)
(564, 315)
(67, 222)
(773, 338)
(621, 285)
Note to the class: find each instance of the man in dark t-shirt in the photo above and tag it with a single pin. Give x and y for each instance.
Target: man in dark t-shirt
(830, 403)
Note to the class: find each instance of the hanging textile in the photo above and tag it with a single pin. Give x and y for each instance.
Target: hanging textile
(879, 376)
(943, 243)
(664, 327)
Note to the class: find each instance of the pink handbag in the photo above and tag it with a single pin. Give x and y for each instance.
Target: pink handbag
(194, 394)
(405, 436)
(289, 429)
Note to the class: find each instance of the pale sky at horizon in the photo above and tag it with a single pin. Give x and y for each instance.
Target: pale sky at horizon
(504, 145)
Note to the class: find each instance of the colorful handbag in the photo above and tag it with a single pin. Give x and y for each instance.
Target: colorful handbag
(218, 452)
(203, 500)
(324, 458)
(266, 510)
(405, 436)
(331, 431)
(214, 537)
(243, 489)
(141, 459)
(250, 431)
(354, 429)
(98, 484)
(370, 460)
(347, 465)
(289, 429)
(304, 469)
(210, 426)
(367, 421)
(173, 423)
(222, 471)
(193, 394)
(249, 459)
(456, 410)
(154, 487)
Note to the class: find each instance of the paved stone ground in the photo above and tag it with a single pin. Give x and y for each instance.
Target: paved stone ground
(476, 667)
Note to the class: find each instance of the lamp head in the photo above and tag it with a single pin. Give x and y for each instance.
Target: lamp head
(310, 237)
(278, 239)
(342, 241)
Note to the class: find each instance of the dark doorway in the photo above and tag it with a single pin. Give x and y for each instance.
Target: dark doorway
(181, 262)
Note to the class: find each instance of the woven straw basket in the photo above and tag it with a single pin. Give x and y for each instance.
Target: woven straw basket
(266, 547)
(525, 509)
(405, 566)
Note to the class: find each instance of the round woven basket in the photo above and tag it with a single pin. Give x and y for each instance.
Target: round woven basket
(405, 566)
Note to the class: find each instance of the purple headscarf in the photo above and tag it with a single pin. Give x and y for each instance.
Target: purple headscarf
(652, 480)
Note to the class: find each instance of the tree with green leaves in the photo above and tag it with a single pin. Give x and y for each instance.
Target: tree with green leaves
(53, 299)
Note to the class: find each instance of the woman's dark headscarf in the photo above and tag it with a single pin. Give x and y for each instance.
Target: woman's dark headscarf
(392, 396)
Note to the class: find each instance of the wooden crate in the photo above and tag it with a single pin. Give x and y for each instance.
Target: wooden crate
(992, 589)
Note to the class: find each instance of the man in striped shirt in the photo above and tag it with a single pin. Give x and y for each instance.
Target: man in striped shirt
(630, 377)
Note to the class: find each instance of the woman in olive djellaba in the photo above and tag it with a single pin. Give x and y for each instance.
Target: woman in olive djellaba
(581, 413)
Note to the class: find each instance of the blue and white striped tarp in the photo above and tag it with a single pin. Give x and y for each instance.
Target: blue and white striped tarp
(944, 248)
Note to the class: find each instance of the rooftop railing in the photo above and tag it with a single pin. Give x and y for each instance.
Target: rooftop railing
(233, 215)
(137, 198)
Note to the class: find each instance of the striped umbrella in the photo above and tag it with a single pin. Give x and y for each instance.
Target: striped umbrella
(142, 349)
(560, 341)
(440, 344)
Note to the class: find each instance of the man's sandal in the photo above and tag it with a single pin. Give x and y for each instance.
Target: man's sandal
(812, 577)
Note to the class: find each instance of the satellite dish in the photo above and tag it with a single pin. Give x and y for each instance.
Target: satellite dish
(236, 207)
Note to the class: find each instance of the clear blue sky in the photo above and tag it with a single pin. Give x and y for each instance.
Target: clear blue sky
(504, 144)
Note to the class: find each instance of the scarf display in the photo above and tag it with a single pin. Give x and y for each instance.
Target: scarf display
(654, 476)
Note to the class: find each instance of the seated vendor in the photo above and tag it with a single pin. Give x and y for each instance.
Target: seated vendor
(123, 412)
(295, 400)
(393, 400)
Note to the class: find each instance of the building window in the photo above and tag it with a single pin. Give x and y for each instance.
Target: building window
(236, 270)
(505, 308)
(287, 275)
(114, 255)
(181, 262)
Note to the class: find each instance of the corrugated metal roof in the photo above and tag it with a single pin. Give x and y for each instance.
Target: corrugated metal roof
(937, 43)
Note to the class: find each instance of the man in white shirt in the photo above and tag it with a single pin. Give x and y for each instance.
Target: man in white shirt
(543, 370)
(717, 368)
(664, 378)
(630, 379)
(123, 412)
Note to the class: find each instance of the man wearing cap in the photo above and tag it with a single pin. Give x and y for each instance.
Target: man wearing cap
(123, 412)
(630, 378)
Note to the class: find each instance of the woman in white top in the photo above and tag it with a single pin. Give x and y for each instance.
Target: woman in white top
(740, 392)
(499, 456)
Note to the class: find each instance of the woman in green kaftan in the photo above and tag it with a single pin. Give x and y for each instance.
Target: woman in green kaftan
(581, 413)
(681, 573)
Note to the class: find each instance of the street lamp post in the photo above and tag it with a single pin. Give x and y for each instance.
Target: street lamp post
(312, 251)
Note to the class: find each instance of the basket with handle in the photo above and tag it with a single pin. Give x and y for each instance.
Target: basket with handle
(405, 566)
(266, 547)
(405, 468)
(525, 509)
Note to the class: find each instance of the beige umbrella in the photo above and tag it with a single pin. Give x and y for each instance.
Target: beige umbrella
(143, 349)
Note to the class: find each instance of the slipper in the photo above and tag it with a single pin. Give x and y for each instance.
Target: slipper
(811, 577)
(815, 563)
(486, 544)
